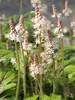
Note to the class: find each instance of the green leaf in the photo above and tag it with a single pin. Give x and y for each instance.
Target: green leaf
(70, 61)
(44, 97)
(71, 77)
(31, 98)
(7, 82)
(5, 53)
(55, 97)
(69, 69)
(10, 98)
(8, 77)
(3, 98)
(9, 86)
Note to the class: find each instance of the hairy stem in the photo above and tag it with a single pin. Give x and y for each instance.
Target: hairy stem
(36, 86)
(24, 70)
(40, 87)
(62, 63)
(18, 64)
(54, 76)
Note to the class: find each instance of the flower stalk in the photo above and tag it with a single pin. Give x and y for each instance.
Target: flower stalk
(21, 7)
(13, 34)
(24, 35)
(18, 64)
(24, 70)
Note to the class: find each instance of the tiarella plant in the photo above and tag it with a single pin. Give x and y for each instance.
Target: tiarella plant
(42, 64)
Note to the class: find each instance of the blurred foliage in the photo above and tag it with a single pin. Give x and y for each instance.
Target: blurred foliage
(44, 97)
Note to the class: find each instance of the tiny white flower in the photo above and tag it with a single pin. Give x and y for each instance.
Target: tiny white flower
(59, 15)
(52, 25)
(17, 27)
(33, 2)
(36, 70)
(60, 35)
(37, 41)
(37, 25)
(12, 36)
(67, 12)
(53, 16)
(25, 53)
(72, 24)
(56, 29)
(27, 46)
(37, 32)
(13, 61)
(65, 29)
(49, 61)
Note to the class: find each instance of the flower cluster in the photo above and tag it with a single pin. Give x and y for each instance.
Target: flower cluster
(13, 36)
(42, 31)
(34, 2)
(47, 54)
(54, 11)
(36, 68)
(59, 29)
(18, 33)
(66, 11)
(42, 36)
(40, 25)
(20, 28)
(73, 25)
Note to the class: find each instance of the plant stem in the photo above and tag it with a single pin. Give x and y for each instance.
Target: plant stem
(40, 86)
(62, 55)
(54, 79)
(0, 32)
(24, 70)
(18, 64)
(36, 86)
(53, 86)
(21, 6)
(40, 76)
